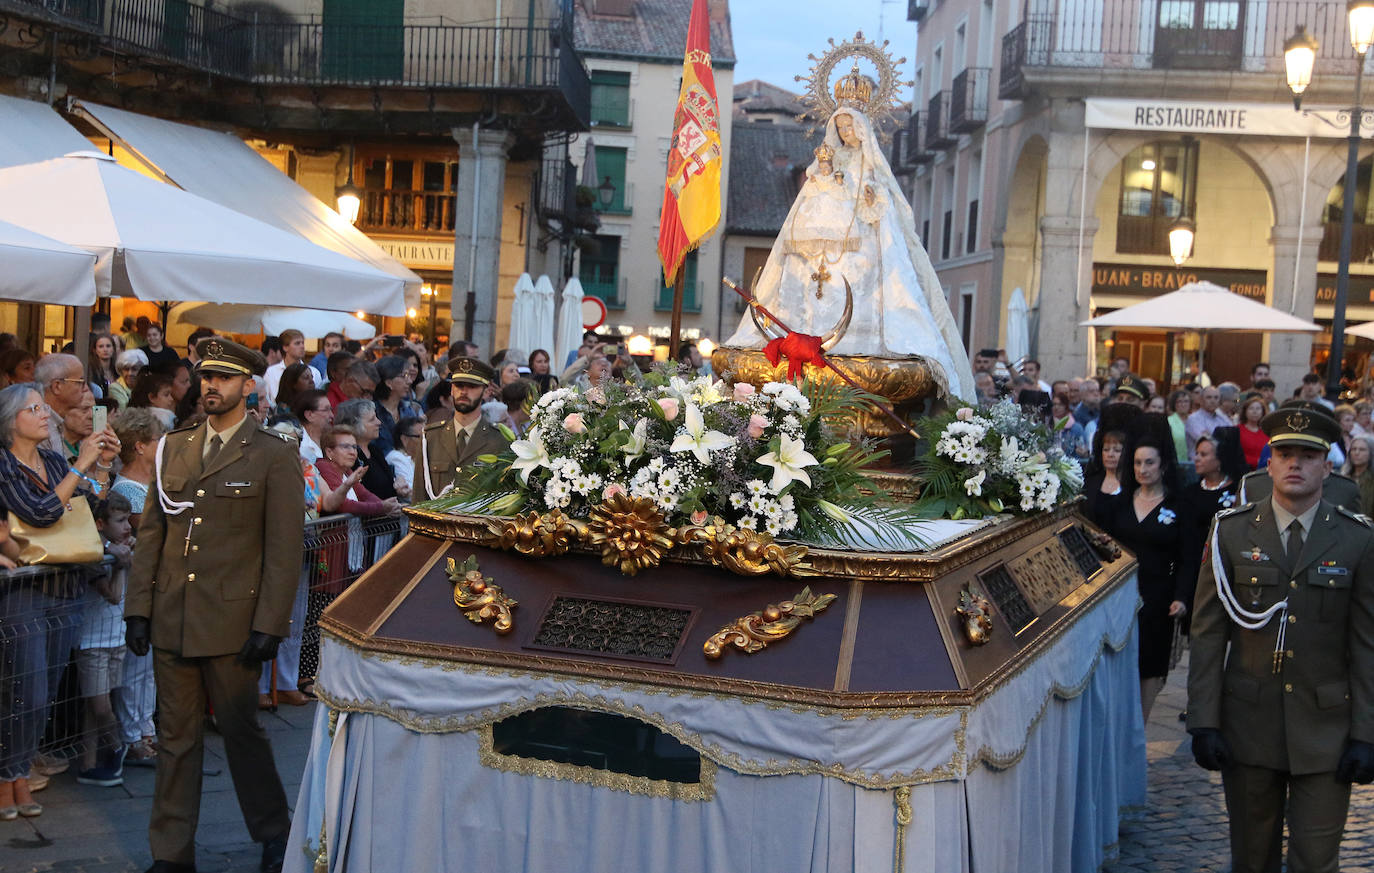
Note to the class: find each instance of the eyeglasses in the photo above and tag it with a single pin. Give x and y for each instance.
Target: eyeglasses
(80, 381)
(347, 447)
(34, 408)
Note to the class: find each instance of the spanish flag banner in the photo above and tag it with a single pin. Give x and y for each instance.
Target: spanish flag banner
(691, 194)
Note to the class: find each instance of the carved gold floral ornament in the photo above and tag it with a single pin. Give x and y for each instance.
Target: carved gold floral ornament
(755, 631)
(479, 599)
(631, 535)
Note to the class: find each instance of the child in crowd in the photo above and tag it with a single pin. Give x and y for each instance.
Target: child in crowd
(100, 655)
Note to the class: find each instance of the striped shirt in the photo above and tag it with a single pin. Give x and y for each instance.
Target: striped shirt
(38, 507)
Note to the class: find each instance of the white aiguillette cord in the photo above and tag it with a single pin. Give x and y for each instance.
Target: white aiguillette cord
(169, 506)
(1239, 614)
(424, 462)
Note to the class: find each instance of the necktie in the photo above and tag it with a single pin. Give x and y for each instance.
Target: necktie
(1295, 541)
(212, 451)
(462, 441)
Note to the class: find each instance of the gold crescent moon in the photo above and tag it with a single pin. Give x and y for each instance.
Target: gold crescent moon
(829, 339)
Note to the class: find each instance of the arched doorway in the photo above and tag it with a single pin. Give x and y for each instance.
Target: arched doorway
(1156, 181)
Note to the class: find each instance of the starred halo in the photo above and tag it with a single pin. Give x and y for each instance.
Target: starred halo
(820, 81)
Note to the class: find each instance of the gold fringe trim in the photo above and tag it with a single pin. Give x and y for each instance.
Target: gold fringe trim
(700, 792)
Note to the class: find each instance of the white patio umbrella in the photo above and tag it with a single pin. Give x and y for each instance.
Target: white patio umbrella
(38, 269)
(544, 315)
(522, 316)
(273, 320)
(569, 336)
(1018, 327)
(156, 242)
(1205, 308)
(1365, 330)
(589, 177)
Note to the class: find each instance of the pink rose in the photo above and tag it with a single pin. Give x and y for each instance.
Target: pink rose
(756, 425)
(612, 490)
(699, 516)
(743, 390)
(573, 423)
(669, 406)
(964, 414)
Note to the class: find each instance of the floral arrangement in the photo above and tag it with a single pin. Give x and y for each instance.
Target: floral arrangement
(984, 462)
(760, 460)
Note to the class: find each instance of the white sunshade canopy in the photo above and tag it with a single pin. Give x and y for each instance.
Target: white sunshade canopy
(32, 132)
(1204, 307)
(155, 242)
(222, 168)
(274, 320)
(37, 269)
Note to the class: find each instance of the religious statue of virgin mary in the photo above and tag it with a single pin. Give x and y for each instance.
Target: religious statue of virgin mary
(849, 246)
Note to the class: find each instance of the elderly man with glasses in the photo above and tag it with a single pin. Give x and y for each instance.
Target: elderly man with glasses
(63, 381)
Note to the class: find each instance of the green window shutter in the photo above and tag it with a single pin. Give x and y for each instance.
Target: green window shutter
(363, 40)
(689, 287)
(600, 269)
(610, 98)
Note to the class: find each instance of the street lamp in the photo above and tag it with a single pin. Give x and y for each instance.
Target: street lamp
(605, 192)
(349, 196)
(1181, 239)
(1299, 56)
(1361, 16)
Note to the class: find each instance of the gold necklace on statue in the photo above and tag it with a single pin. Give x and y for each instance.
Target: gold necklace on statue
(821, 275)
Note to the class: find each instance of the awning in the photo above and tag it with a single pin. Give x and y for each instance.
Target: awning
(31, 132)
(222, 168)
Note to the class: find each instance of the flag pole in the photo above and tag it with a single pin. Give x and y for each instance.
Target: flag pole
(675, 330)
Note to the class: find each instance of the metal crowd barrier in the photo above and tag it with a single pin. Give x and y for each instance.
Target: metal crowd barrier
(56, 631)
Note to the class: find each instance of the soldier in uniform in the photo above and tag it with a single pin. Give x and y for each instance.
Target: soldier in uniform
(1336, 489)
(211, 589)
(448, 447)
(1281, 679)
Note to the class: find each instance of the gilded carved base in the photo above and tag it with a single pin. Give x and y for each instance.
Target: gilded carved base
(906, 382)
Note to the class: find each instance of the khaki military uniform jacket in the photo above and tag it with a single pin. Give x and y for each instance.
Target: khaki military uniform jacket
(440, 449)
(1299, 718)
(229, 563)
(1338, 490)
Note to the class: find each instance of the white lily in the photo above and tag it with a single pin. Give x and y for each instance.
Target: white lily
(788, 463)
(708, 392)
(530, 454)
(974, 485)
(638, 437)
(698, 440)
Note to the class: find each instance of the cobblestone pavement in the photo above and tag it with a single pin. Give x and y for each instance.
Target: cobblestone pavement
(104, 830)
(1183, 826)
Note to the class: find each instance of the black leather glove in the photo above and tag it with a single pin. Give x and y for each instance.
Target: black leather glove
(260, 648)
(137, 635)
(1357, 763)
(1210, 749)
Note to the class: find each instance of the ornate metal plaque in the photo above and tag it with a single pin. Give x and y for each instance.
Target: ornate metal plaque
(1046, 574)
(1080, 550)
(1003, 591)
(613, 628)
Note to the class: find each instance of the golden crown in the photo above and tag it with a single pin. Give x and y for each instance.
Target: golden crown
(824, 153)
(855, 89)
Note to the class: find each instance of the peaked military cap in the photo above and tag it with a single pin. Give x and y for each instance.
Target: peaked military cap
(1301, 423)
(1134, 386)
(219, 355)
(470, 371)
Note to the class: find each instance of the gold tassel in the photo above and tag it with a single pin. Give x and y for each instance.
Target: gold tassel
(902, 800)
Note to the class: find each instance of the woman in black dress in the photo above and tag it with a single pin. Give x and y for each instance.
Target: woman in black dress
(1215, 489)
(1155, 522)
(1102, 479)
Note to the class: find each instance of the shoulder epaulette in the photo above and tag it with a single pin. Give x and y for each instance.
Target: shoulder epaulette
(1356, 516)
(1335, 475)
(1235, 510)
(188, 426)
(276, 433)
(443, 422)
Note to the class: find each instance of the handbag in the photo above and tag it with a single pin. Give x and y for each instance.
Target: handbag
(73, 539)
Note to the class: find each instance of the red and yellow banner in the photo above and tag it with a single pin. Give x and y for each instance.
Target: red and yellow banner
(691, 193)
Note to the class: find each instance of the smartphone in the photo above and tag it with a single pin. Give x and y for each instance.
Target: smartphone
(393, 342)
(609, 349)
(100, 418)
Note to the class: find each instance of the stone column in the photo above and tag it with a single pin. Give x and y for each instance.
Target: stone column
(481, 184)
(1062, 345)
(1290, 354)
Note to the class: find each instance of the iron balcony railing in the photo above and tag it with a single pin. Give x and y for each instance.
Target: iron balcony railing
(968, 100)
(908, 149)
(938, 135)
(1235, 36)
(86, 15)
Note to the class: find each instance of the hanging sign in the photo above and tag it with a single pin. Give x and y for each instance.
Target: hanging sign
(1198, 117)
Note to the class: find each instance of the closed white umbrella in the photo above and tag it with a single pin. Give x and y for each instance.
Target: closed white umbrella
(522, 315)
(155, 242)
(273, 320)
(37, 269)
(1018, 327)
(569, 337)
(589, 177)
(545, 315)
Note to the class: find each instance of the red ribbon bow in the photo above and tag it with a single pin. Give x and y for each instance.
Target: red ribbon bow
(799, 349)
